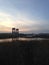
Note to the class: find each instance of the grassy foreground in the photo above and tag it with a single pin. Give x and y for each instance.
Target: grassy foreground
(24, 53)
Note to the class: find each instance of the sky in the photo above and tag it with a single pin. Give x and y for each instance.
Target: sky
(30, 16)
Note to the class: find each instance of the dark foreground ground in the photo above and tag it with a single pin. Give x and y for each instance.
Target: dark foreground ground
(24, 53)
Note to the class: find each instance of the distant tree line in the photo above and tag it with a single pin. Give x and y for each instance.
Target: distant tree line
(5, 35)
(9, 35)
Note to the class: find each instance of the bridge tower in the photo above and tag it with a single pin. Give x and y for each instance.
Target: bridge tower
(13, 32)
(17, 32)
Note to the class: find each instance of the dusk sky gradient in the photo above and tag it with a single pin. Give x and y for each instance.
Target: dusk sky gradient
(30, 16)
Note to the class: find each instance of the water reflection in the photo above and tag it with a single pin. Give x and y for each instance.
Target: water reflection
(21, 39)
(15, 39)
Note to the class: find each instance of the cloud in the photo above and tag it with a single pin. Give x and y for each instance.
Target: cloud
(7, 21)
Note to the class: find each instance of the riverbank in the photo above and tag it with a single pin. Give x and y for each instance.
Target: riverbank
(24, 53)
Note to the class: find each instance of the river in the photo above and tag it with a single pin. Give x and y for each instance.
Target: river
(21, 39)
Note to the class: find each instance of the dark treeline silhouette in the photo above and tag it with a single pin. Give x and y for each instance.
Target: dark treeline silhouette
(10, 35)
(5, 35)
(42, 35)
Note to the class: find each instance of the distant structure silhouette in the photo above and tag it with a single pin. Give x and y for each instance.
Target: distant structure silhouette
(15, 32)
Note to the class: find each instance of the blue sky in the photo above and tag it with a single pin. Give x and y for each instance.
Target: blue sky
(30, 16)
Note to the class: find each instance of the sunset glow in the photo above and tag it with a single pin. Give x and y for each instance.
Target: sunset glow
(25, 15)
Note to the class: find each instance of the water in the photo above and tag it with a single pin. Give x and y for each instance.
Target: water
(21, 39)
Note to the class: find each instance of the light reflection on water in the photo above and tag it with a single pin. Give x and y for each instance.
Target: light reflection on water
(21, 39)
